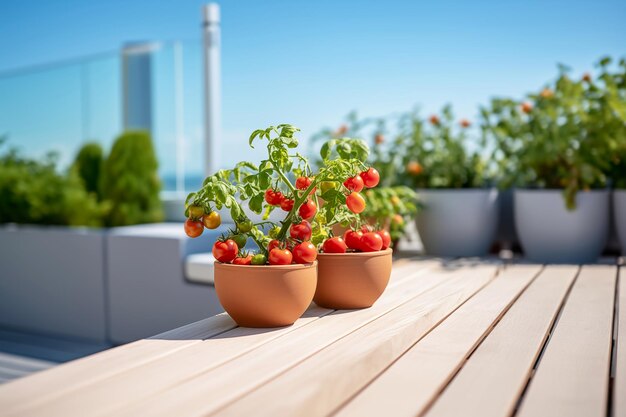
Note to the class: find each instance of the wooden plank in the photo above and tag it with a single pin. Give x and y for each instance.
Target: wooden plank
(492, 380)
(146, 378)
(572, 378)
(619, 388)
(368, 340)
(409, 385)
(43, 385)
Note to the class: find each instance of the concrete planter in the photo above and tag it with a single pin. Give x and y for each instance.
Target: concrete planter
(147, 289)
(619, 216)
(52, 281)
(458, 222)
(548, 232)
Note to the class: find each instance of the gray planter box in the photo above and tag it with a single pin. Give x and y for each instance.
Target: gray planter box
(619, 216)
(147, 290)
(52, 281)
(458, 222)
(548, 232)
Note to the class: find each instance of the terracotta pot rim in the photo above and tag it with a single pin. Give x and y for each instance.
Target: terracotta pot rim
(277, 267)
(359, 254)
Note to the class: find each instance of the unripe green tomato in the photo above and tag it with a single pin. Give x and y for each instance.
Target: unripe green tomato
(195, 212)
(244, 226)
(274, 232)
(327, 185)
(259, 259)
(240, 240)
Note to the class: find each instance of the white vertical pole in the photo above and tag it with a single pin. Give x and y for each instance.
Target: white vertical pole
(179, 120)
(212, 87)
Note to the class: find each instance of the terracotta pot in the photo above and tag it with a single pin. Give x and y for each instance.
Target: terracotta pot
(351, 280)
(265, 296)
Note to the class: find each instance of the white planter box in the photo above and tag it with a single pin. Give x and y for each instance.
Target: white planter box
(52, 281)
(147, 290)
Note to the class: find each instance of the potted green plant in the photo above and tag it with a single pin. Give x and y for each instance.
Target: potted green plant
(551, 149)
(355, 265)
(458, 207)
(609, 91)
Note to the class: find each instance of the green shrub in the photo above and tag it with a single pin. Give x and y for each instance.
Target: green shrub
(130, 182)
(88, 165)
(33, 192)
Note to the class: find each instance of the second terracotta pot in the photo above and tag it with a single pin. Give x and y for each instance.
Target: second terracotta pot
(351, 280)
(265, 296)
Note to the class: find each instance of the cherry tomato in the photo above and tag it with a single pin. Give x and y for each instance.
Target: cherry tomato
(301, 231)
(327, 185)
(308, 209)
(193, 228)
(195, 212)
(280, 256)
(225, 251)
(246, 260)
(371, 242)
(371, 177)
(414, 168)
(353, 239)
(527, 107)
(273, 244)
(354, 183)
(434, 119)
(386, 237)
(304, 253)
(240, 240)
(334, 245)
(259, 259)
(286, 204)
(355, 202)
(302, 183)
(379, 139)
(273, 197)
(212, 220)
(244, 226)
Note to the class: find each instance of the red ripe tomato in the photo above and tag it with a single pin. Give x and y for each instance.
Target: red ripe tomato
(355, 202)
(308, 209)
(246, 260)
(273, 197)
(354, 183)
(371, 177)
(304, 253)
(193, 228)
(287, 204)
(301, 231)
(280, 256)
(225, 251)
(334, 245)
(273, 244)
(302, 183)
(353, 239)
(371, 242)
(386, 238)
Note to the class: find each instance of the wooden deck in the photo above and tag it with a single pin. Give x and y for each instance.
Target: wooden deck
(455, 339)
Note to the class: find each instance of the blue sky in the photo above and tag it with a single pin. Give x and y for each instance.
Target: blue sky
(310, 62)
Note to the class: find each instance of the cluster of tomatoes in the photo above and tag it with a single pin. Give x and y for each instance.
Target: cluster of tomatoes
(198, 220)
(364, 240)
(354, 200)
(297, 249)
(307, 210)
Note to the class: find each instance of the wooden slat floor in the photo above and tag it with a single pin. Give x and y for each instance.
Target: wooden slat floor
(463, 338)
